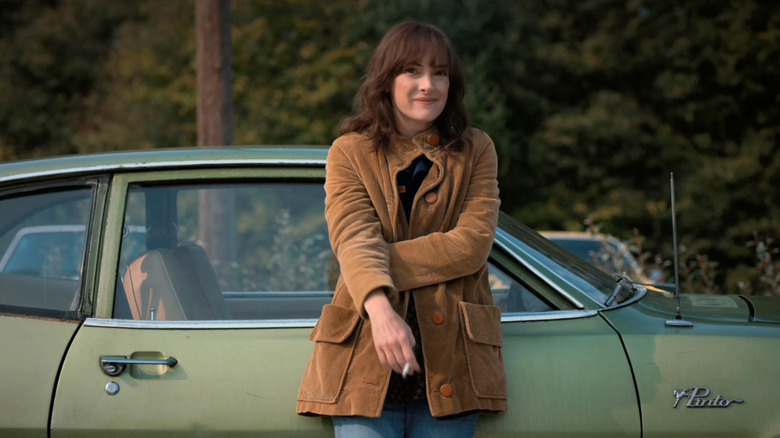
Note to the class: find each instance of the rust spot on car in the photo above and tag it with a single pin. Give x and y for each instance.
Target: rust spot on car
(41, 318)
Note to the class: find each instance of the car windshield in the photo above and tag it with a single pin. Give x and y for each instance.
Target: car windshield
(604, 252)
(599, 286)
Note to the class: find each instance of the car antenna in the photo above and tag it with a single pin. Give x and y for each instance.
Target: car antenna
(678, 321)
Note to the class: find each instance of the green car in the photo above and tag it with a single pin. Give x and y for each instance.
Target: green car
(181, 302)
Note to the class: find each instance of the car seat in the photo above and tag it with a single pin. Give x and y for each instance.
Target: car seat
(171, 285)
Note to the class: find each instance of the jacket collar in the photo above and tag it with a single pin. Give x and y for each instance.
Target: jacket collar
(404, 150)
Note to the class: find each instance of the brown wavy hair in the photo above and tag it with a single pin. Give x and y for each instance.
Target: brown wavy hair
(406, 43)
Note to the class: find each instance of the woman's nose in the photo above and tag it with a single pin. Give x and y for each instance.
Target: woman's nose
(426, 82)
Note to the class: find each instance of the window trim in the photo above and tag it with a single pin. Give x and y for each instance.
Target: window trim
(119, 189)
(507, 318)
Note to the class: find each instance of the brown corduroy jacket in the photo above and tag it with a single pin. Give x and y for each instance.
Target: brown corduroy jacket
(439, 255)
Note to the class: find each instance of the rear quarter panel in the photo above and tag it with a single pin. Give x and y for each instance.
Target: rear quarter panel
(31, 350)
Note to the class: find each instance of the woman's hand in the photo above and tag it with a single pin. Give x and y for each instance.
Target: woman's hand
(393, 339)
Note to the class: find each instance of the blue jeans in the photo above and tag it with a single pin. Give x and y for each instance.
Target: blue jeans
(413, 421)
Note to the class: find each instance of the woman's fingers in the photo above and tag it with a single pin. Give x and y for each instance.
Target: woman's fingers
(410, 361)
(393, 339)
(394, 342)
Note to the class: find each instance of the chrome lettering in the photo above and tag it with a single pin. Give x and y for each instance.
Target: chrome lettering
(698, 398)
(678, 395)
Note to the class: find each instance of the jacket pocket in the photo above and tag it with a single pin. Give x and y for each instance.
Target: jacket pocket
(481, 329)
(335, 335)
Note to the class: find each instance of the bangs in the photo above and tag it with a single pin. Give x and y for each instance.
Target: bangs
(417, 45)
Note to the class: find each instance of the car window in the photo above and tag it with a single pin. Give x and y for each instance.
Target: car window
(42, 250)
(512, 296)
(247, 251)
(239, 251)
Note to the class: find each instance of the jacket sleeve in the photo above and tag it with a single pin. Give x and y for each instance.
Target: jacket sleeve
(354, 228)
(440, 257)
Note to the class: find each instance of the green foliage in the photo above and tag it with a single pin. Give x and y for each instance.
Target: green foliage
(632, 91)
(147, 97)
(50, 57)
(297, 65)
(591, 103)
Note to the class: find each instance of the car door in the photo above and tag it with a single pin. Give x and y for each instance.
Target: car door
(223, 364)
(41, 284)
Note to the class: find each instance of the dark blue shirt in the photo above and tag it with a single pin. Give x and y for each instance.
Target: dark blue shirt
(409, 181)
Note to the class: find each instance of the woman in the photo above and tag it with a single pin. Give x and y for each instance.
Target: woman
(411, 343)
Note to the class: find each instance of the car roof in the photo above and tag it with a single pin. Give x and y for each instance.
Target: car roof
(155, 159)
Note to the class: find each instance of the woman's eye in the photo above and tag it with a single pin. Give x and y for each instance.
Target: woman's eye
(442, 73)
(411, 70)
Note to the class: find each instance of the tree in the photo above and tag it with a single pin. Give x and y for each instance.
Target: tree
(634, 90)
(147, 93)
(48, 78)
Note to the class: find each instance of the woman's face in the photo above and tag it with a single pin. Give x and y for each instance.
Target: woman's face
(419, 96)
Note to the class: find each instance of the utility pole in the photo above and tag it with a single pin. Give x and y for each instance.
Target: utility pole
(215, 73)
(215, 128)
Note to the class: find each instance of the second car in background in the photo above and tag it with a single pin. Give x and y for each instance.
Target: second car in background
(604, 252)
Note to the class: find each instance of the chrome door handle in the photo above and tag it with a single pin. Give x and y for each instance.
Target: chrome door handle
(116, 365)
